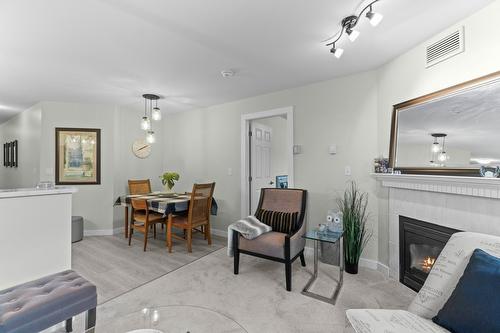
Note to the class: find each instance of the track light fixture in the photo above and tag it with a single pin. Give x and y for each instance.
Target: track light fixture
(348, 24)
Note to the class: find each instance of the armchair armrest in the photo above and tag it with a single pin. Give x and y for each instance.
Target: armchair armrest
(296, 241)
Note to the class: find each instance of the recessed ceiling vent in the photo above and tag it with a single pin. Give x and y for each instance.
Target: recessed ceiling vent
(445, 48)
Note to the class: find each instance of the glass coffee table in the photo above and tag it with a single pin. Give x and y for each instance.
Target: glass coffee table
(329, 237)
(169, 319)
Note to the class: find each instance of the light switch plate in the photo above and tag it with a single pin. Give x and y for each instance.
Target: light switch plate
(347, 170)
(332, 149)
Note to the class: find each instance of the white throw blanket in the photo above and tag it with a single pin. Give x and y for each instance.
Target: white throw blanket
(249, 227)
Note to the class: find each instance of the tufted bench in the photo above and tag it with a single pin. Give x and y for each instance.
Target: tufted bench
(40, 304)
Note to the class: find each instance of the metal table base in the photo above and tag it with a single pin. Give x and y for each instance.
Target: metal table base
(313, 278)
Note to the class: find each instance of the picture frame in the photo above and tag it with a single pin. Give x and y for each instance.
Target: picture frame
(5, 155)
(8, 154)
(78, 156)
(282, 181)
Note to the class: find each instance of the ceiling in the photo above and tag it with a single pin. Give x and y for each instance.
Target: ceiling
(469, 118)
(113, 51)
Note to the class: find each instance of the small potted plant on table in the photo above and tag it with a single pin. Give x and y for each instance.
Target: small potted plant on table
(168, 180)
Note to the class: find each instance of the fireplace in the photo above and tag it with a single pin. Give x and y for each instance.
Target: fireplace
(419, 245)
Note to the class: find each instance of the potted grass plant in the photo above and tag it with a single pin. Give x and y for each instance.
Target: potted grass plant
(168, 180)
(353, 205)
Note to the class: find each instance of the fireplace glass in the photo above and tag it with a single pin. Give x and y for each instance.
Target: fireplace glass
(420, 244)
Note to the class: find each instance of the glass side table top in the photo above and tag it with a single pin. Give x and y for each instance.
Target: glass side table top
(169, 319)
(323, 236)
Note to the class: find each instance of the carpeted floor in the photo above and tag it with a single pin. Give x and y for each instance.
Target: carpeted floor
(255, 299)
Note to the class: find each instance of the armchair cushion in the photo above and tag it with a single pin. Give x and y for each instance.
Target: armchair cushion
(285, 222)
(474, 305)
(270, 244)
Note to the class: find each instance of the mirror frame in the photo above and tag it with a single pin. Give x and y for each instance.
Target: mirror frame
(470, 172)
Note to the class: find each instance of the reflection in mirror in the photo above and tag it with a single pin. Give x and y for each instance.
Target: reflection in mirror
(459, 130)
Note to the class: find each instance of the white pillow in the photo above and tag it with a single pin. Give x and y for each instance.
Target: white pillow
(448, 269)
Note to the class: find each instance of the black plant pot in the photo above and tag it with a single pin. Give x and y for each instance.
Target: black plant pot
(351, 268)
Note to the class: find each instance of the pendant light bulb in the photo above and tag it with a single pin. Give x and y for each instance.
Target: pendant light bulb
(150, 137)
(443, 157)
(436, 147)
(352, 34)
(156, 113)
(375, 18)
(145, 123)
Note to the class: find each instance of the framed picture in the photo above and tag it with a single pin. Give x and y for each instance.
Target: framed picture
(282, 181)
(78, 156)
(13, 154)
(5, 155)
(8, 154)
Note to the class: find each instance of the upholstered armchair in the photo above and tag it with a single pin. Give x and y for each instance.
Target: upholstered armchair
(277, 246)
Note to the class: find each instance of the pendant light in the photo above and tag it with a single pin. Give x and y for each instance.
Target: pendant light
(150, 113)
(438, 153)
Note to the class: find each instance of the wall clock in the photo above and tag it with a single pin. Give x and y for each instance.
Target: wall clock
(141, 148)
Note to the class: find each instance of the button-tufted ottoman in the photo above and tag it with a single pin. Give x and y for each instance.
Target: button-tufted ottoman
(40, 304)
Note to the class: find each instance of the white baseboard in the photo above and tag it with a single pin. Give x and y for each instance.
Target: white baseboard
(103, 232)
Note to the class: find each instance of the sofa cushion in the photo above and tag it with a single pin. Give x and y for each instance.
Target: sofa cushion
(390, 321)
(448, 269)
(285, 222)
(271, 244)
(474, 305)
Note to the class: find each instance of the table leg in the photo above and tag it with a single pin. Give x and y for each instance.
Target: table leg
(313, 278)
(126, 221)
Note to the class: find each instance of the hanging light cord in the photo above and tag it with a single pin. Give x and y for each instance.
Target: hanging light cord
(349, 24)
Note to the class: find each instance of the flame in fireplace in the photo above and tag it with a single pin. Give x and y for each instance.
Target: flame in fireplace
(427, 264)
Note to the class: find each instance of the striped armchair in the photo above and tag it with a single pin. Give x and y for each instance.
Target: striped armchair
(284, 210)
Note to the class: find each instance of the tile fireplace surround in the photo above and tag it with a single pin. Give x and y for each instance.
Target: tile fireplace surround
(464, 203)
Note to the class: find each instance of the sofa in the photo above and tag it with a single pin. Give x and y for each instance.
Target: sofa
(438, 287)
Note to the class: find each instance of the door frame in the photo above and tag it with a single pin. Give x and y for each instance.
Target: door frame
(245, 143)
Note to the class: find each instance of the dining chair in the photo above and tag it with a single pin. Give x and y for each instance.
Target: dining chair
(142, 186)
(143, 219)
(198, 216)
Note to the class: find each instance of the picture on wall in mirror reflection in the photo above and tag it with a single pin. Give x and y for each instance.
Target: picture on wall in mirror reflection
(78, 160)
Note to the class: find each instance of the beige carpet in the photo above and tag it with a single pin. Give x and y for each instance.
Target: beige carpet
(116, 268)
(256, 299)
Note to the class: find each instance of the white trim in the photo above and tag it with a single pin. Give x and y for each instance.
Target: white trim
(245, 121)
(103, 232)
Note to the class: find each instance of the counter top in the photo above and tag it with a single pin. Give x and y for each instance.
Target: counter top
(29, 192)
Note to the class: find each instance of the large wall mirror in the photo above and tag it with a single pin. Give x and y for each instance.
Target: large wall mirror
(454, 131)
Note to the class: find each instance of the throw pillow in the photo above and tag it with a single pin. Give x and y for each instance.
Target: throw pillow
(474, 305)
(286, 223)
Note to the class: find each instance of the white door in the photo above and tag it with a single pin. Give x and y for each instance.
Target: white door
(260, 161)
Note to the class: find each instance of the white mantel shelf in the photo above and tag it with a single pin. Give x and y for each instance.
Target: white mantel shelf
(470, 186)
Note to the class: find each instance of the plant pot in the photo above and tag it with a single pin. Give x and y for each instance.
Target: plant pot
(351, 268)
(167, 189)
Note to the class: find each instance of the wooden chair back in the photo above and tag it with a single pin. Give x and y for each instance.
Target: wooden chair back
(139, 186)
(201, 203)
(139, 205)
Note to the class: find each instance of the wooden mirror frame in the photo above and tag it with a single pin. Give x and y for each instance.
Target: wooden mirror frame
(470, 172)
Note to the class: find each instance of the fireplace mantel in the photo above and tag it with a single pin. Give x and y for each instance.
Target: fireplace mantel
(469, 186)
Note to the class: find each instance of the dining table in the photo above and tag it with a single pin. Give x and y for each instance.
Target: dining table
(160, 202)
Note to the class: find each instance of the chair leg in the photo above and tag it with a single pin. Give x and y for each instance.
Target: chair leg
(302, 259)
(90, 318)
(288, 276)
(208, 236)
(154, 230)
(189, 240)
(236, 253)
(69, 325)
(130, 232)
(169, 233)
(146, 231)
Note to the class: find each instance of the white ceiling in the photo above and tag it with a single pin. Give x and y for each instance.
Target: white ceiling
(112, 51)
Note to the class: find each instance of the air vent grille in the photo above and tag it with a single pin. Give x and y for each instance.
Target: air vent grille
(445, 48)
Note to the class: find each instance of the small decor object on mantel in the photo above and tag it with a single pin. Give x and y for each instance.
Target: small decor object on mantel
(381, 165)
(78, 156)
(168, 180)
(489, 172)
(356, 235)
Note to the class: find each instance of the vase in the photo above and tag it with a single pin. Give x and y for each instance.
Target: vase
(351, 268)
(168, 189)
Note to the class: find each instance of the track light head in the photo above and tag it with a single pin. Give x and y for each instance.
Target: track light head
(337, 52)
(375, 18)
(352, 34)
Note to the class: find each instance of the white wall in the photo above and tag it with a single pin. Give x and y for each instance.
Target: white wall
(406, 77)
(26, 129)
(203, 144)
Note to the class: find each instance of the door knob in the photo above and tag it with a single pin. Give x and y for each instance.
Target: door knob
(271, 182)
